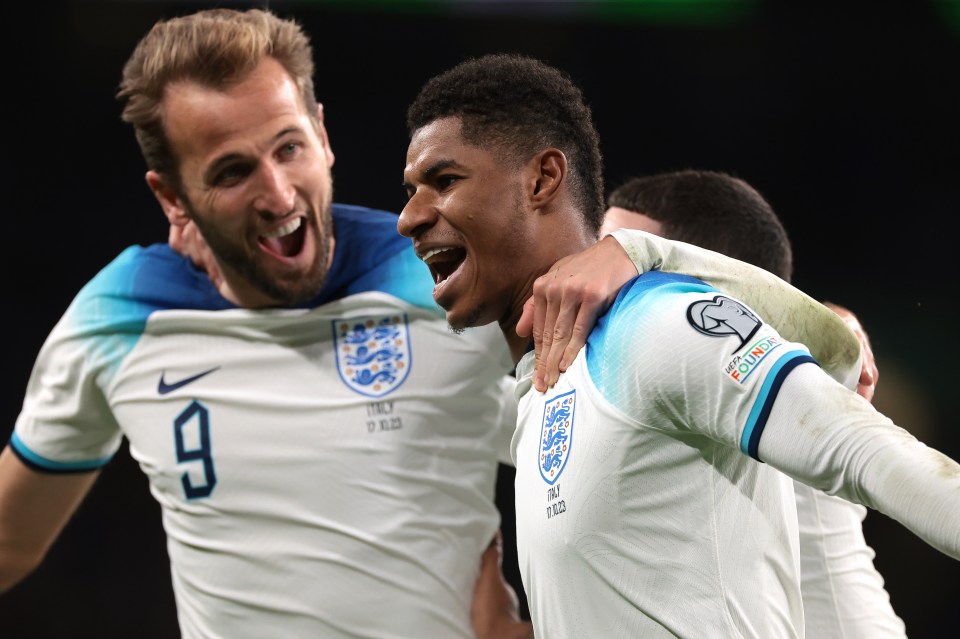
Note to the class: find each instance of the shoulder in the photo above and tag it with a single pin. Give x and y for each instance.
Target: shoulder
(139, 281)
(647, 296)
(366, 233)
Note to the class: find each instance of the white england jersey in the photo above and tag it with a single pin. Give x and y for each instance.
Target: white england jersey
(326, 471)
(843, 594)
(641, 509)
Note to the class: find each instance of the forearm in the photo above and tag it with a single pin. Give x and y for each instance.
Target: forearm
(495, 609)
(34, 508)
(16, 562)
(796, 316)
(833, 439)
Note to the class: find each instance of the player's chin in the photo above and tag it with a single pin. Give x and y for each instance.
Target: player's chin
(454, 319)
(297, 285)
(461, 317)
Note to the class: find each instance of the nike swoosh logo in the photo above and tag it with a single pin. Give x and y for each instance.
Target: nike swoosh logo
(163, 387)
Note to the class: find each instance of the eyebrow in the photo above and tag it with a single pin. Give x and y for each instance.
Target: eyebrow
(218, 163)
(435, 168)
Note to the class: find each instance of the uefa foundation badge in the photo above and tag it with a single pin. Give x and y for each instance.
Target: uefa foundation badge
(556, 435)
(373, 353)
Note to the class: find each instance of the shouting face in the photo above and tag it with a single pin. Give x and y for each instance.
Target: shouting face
(467, 217)
(254, 171)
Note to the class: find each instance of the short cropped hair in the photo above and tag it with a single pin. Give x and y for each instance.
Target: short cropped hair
(714, 210)
(216, 48)
(520, 106)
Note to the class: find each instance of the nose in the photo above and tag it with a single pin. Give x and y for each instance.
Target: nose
(416, 217)
(276, 194)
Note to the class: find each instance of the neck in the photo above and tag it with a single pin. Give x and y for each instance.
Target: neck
(518, 345)
(572, 238)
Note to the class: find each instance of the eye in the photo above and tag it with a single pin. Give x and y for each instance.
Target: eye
(231, 175)
(290, 149)
(446, 181)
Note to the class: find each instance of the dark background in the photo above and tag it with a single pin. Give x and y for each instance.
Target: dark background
(845, 115)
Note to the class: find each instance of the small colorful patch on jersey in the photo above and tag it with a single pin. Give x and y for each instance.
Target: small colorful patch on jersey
(373, 353)
(740, 367)
(556, 435)
(723, 316)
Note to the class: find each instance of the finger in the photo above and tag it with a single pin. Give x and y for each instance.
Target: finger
(525, 323)
(561, 332)
(869, 374)
(213, 272)
(586, 319)
(539, 312)
(593, 303)
(547, 361)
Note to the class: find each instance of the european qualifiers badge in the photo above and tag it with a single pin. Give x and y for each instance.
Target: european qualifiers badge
(373, 353)
(722, 317)
(556, 434)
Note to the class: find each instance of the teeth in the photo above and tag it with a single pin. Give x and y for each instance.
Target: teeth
(286, 229)
(428, 254)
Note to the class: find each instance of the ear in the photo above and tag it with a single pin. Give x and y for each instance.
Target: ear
(324, 139)
(169, 200)
(549, 170)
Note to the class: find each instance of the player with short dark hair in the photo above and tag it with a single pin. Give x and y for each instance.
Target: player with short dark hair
(653, 490)
(843, 594)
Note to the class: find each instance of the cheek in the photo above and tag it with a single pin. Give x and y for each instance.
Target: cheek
(312, 178)
(225, 210)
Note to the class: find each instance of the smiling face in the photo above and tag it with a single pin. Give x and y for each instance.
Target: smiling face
(469, 218)
(255, 177)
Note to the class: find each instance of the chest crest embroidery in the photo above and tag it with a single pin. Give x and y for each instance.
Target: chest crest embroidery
(373, 353)
(556, 435)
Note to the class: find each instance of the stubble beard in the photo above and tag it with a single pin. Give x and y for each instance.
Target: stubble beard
(471, 321)
(286, 292)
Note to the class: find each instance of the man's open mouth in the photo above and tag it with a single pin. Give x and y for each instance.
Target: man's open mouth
(443, 261)
(286, 240)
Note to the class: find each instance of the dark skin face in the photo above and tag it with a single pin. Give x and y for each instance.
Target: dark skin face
(255, 178)
(486, 228)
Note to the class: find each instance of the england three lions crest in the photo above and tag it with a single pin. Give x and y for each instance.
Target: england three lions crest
(373, 353)
(556, 435)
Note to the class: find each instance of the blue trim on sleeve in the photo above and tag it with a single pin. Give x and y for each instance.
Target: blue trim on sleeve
(757, 421)
(42, 464)
(631, 302)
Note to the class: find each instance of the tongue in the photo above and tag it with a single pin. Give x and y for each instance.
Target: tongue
(287, 246)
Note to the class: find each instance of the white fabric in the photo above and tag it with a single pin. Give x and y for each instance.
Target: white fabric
(657, 525)
(836, 441)
(843, 593)
(796, 316)
(333, 513)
